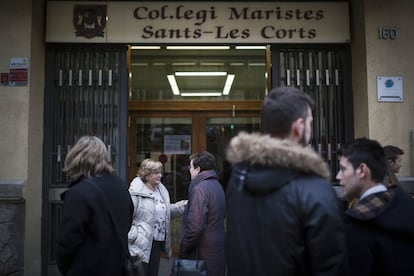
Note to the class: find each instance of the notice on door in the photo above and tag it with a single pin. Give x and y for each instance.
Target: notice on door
(177, 144)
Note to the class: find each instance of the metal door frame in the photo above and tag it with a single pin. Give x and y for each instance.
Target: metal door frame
(58, 77)
(317, 79)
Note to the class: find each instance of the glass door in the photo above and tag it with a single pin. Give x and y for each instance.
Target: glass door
(171, 137)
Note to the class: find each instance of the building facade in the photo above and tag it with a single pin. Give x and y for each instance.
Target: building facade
(66, 73)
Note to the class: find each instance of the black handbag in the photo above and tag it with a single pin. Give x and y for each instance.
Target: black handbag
(188, 267)
(133, 265)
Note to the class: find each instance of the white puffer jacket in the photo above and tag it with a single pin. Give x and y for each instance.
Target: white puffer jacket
(140, 235)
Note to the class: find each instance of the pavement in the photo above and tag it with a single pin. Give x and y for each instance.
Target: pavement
(165, 266)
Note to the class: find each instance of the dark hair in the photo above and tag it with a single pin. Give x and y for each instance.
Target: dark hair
(204, 160)
(281, 108)
(369, 152)
(392, 152)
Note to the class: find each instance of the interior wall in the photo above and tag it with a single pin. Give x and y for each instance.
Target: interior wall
(389, 123)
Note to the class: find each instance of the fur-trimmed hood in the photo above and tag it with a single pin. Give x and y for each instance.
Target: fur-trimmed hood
(264, 150)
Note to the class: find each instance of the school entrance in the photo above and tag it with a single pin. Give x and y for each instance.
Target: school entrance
(166, 102)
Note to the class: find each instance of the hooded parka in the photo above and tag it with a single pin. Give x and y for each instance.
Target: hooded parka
(141, 234)
(283, 215)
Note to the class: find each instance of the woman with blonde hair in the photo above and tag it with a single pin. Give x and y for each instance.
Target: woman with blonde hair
(151, 226)
(87, 239)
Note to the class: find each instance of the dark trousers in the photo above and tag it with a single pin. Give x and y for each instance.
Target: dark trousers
(153, 266)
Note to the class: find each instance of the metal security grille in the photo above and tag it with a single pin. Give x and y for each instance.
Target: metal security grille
(85, 95)
(324, 73)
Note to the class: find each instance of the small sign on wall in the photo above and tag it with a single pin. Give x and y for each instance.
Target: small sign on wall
(390, 89)
(18, 71)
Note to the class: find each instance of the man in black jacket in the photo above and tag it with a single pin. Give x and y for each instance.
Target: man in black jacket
(380, 227)
(283, 214)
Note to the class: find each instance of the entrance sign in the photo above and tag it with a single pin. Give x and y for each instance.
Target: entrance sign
(201, 22)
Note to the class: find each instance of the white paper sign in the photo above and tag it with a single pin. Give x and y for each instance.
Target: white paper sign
(177, 144)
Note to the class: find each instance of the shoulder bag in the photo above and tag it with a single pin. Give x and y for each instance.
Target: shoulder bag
(188, 267)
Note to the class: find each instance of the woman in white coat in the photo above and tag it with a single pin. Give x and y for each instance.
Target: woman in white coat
(150, 232)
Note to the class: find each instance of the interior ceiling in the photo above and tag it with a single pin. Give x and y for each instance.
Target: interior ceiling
(151, 67)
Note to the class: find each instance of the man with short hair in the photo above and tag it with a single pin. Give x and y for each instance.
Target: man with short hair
(202, 230)
(380, 227)
(283, 215)
(394, 159)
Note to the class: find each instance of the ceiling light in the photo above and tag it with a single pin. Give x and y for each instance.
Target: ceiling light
(228, 84)
(212, 63)
(139, 64)
(198, 47)
(200, 94)
(145, 47)
(250, 47)
(176, 90)
(256, 64)
(184, 63)
(199, 74)
(173, 84)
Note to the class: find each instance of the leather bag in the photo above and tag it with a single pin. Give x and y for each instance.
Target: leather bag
(188, 267)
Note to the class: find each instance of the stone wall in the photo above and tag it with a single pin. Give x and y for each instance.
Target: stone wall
(12, 217)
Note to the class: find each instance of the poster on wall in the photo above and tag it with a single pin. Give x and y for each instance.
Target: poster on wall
(177, 144)
(390, 89)
(18, 71)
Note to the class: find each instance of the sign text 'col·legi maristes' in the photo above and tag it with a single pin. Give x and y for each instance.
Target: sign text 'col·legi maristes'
(198, 22)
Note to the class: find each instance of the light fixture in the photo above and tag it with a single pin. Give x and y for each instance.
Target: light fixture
(212, 63)
(199, 74)
(201, 94)
(251, 47)
(184, 63)
(173, 84)
(139, 64)
(145, 47)
(228, 84)
(256, 64)
(198, 47)
(176, 90)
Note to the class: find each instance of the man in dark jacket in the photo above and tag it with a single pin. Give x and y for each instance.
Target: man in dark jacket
(380, 227)
(88, 243)
(394, 158)
(203, 220)
(283, 214)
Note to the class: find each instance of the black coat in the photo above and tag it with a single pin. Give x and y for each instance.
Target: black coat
(380, 234)
(87, 241)
(283, 215)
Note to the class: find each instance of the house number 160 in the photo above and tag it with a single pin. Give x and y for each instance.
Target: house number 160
(387, 33)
